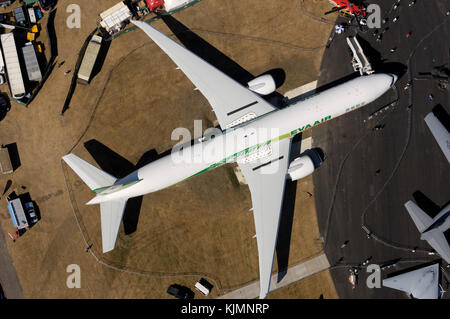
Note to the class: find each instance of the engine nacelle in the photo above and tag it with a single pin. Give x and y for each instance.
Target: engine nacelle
(301, 167)
(264, 84)
(305, 164)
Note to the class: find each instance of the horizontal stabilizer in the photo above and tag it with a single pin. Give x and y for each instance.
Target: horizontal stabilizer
(114, 188)
(422, 283)
(420, 218)
(91, 175)
(111, 216)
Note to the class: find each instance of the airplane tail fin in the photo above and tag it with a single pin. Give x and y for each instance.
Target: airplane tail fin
(111, 211)
(420, 218)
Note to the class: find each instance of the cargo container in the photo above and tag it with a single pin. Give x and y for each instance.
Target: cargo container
(31, 62)
(5, 161)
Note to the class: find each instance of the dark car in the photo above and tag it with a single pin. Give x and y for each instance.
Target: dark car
(180, 292)
(31, 212)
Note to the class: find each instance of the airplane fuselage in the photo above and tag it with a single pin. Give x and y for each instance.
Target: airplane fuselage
(441, 222)
(238, 142)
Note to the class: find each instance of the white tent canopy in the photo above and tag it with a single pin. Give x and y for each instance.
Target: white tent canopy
(115, 16)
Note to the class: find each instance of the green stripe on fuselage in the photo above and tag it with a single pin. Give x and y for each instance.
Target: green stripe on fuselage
(252, 148)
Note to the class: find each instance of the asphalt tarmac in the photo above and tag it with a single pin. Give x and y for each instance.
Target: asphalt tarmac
(369, 174)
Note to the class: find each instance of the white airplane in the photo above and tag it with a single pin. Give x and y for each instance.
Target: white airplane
(263, 139)
(432, 229)
(422, 283)
(440, 133)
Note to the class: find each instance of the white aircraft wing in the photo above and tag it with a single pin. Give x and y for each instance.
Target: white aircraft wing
(111, 215)
(266, 179)
(437, 240)
(231, 102)
(420, 218)
(440, 133)
(422, 283)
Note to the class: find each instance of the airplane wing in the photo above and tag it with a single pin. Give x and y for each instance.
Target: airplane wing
(231, 102)
(422, 283)
(111, 215)
(440, 133)
(420, 218)
(437, 240)
(266, 179)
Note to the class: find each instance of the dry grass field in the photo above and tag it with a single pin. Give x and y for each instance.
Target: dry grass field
(202, 225)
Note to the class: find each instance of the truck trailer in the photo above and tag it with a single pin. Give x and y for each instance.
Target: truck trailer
(90, 56)
(13, 69)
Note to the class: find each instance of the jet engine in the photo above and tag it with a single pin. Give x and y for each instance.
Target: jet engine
(264, 84)
(304, 165)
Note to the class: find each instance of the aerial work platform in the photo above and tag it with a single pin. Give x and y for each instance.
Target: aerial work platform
(359, 62)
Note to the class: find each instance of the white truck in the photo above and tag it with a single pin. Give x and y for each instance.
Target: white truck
(90, 56)
(13, 69)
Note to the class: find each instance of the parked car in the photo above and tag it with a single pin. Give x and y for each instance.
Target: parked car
(29, 207)
(180, 292)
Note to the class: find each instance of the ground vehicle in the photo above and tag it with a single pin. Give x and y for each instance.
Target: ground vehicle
(90, 56)
(203, 286)
(29, 207)
(180, 292)
(13, 70)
